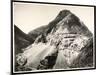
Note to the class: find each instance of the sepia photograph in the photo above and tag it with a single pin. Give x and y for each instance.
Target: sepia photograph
(52, 37)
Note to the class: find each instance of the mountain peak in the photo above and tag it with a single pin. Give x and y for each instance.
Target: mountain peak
(64, 13)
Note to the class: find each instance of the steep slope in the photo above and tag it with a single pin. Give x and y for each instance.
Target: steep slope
(44, 30)
(22, 40)
(35, 33)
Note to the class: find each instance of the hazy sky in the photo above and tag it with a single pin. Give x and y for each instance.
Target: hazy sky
(28, 16)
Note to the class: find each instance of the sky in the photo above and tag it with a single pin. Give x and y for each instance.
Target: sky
(29, 16)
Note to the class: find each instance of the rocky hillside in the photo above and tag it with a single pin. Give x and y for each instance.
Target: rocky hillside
(64, 43)
(22, 40)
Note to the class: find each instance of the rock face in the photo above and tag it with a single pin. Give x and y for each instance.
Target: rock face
(65, 42)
